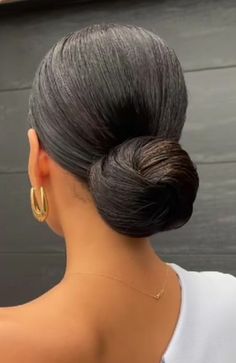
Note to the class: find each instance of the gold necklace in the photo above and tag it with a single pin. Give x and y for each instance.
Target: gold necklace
(155, 296)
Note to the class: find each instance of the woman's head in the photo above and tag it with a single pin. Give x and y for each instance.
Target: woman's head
(108, 103)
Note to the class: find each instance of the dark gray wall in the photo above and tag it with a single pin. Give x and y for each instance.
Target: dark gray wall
(32, 258)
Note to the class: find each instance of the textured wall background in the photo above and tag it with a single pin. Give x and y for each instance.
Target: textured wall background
(32, 258)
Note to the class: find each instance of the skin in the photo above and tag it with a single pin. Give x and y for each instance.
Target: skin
(90, 314)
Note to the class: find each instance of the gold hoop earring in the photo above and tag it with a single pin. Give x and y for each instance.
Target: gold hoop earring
(39, 213)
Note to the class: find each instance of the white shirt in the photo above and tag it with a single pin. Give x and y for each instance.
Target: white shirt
(206, 327)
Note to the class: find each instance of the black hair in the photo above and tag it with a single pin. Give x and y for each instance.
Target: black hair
(108, 103)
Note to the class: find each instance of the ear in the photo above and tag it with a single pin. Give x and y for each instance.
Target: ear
(33, 162)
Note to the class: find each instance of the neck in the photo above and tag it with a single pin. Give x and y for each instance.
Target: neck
(92, 246)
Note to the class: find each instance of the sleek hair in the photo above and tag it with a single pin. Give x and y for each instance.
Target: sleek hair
(108, 103)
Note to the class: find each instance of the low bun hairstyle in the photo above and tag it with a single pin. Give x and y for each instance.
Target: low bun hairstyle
(144, 186)
(108, 103)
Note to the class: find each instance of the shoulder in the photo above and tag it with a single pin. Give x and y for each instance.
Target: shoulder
(212, 285)
(212, 294)
(220, 287)
(24, 343)
(208, 317)
(220, 284)
(218, 315)
(213, 281)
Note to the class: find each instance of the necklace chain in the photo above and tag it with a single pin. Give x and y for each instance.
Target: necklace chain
(155, 296)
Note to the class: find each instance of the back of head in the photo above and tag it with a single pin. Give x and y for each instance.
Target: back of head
(109, 103)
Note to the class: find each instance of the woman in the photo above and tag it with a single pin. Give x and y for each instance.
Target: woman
(106, 112)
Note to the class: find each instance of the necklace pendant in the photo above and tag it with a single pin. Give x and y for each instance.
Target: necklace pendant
(157, 296)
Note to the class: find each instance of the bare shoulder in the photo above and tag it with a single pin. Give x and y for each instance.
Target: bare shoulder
(18, 345)
(41, 333)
